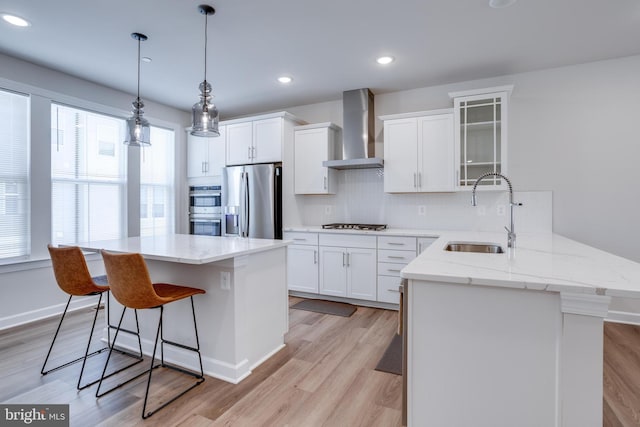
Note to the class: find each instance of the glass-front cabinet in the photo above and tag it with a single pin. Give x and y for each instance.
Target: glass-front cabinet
(480, 120)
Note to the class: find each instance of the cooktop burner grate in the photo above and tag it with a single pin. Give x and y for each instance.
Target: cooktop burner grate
(364, 227)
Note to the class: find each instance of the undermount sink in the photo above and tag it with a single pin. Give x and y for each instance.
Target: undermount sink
(485, 248)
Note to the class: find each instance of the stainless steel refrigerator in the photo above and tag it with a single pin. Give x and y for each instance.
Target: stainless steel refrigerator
(252, 201)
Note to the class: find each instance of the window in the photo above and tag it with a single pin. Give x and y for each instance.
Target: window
(14, 175)
(157, 184)
(88, 176)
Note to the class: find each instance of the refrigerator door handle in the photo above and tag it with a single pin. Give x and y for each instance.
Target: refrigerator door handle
(245, 205)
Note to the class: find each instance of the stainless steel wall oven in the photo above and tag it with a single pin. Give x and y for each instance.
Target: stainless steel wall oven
(205, 210)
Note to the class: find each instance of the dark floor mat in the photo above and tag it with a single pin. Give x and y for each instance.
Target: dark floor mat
(326, 307)
(391, 360)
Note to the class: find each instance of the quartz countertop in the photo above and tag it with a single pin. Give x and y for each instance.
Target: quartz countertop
(186, 248)
(540, 261)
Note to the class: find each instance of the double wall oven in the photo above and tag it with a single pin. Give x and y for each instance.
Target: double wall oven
(205, 210)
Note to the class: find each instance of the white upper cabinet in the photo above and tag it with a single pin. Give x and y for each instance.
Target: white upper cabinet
(314, 144)
(480, 120)
(239, 143)
(419, 152)
(206, 155)
(255, 141)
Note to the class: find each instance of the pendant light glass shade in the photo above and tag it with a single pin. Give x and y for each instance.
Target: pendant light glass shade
(204, 113)
(138, 129)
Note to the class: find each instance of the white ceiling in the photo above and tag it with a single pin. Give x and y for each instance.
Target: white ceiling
(327, 46)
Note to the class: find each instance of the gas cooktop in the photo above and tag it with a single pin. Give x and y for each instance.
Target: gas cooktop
(364, 227)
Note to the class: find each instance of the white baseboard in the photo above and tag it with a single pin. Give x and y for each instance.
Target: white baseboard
(360, 302)
(77, 303)
(623, 317)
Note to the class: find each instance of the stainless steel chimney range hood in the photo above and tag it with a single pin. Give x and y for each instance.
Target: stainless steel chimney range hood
(358, 129)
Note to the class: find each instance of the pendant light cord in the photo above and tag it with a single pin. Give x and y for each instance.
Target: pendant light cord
(206, 21)
(138, 100)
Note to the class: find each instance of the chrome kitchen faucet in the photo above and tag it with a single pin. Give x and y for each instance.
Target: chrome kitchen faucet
(511, 234)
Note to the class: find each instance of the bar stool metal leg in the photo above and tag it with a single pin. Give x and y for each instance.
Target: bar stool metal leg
(199, 376)
(45, 371)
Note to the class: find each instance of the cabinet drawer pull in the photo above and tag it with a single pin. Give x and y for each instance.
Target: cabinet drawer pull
(395, 244)
(395, 257)
(299, 239)
(394, 290)
(394, 270)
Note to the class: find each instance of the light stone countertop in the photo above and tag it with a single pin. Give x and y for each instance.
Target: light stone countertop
(186, 248)
(540, 261)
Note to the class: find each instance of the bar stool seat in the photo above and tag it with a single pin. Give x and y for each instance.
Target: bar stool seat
(73, 277)
(132, 287)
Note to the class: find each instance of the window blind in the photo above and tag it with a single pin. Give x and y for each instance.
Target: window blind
(88, 176)
(157, 184)
(14, 175)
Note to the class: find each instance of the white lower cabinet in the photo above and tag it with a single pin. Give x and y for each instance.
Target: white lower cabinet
(393, 254)
(424, 243)
(348, 266)
(302, 262)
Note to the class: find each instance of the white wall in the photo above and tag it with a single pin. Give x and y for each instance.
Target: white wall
(572, 131)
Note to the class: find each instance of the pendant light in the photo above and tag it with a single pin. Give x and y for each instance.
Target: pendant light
(138, 130)
(205, 113)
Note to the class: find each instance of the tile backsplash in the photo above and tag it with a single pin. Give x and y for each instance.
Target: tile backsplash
(360, 198)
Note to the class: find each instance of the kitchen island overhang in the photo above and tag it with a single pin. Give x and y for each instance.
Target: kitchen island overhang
(242, 318)
(514, 338)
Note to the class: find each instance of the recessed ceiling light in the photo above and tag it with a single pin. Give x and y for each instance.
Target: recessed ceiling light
(499, 4)
(285, 79)
(15, 20)
(146, 59)
(384, 60)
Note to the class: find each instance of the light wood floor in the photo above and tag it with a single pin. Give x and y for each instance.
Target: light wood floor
(324, 377)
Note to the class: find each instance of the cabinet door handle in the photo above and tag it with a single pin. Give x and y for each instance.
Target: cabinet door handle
(315, 257)
(202, 167)
(414, 180)
(419, 248)
(206, 167)
(348, 259)
(325, 182)
(253, 152)
(248, 152)
(344, 263)
(420, 179)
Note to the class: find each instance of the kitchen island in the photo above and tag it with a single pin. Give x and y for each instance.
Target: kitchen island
(513, 338)
(243, 316)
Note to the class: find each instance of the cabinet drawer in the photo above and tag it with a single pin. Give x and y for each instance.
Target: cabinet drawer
(301, 238)
(388, 289)
(402, 257)
(347, 240)
(389, 269)
(397, 243)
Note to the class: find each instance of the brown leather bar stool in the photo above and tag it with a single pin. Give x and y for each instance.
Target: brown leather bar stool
(131, 286)
(73, 277)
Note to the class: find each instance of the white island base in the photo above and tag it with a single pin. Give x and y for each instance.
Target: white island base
(242, 318)
(495, 356)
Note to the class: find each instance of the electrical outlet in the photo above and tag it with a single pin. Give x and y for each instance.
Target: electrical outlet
(422, 210)
(225, 280)
(501, 210)
(481, 210)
